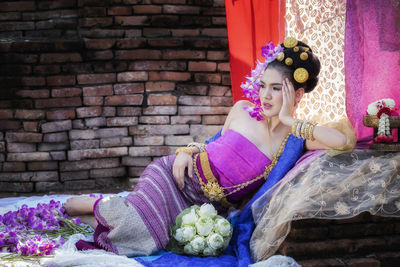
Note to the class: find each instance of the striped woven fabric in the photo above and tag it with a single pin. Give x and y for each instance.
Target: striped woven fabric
(140, 224)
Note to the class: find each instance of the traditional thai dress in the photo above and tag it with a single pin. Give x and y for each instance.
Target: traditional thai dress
(141, 223)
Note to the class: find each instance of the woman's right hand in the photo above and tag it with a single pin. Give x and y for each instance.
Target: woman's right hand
(182, 161)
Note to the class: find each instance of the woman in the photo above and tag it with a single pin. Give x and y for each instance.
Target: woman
(228, 170)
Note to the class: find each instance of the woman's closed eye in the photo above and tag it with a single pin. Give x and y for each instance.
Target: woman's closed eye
(277, 88)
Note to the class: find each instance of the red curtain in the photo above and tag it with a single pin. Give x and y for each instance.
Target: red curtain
(251, 24)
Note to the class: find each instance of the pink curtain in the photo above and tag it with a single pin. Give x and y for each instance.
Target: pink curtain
(372, 47)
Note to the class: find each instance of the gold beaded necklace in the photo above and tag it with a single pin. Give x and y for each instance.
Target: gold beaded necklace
(213, 191)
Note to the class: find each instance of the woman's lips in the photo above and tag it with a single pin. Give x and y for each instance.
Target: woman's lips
(267, 106)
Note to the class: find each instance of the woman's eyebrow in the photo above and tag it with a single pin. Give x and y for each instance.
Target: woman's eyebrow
(276, 84)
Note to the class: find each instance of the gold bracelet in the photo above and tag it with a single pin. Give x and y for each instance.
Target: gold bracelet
(184, 150)
(200, 146)
(307, 131)
(312, 138)
(298, 127)
(303, 128)
(294, 126)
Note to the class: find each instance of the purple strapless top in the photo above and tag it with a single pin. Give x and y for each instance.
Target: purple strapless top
(235, 160)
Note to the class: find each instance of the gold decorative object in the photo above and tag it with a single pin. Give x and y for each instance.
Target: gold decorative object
(304, 56)
(300, 75)
(373, 121)
(280, 56)
(290, 42)
(296, 49)
(184, 150)
(288, 61)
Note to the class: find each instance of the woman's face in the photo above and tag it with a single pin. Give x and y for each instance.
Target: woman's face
(271, 92)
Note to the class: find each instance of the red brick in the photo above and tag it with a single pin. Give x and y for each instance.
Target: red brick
(55, 4)
(195, 100)
(111, 132)
(130, 43)
(47, 69)
(116, 141)
(43, 166)
(223, 67)
(49, 58)
(160, 86)
(128, 88)
(136, 161)
(96, 78)
(101, 90)
(6, 114)
(79, 185)
(119, 10)
(137, 54)
(99, 55)
(220, 120)
(52, 147)
(21, 147)
(129, 111)
(33, 81)
(145, 151)
(136, 172)
(102, 33)
(185, 32)
(66, 92)
(99, 44)
(30, 126)
(158, 129)
(363, 262)
(215, 11)
(156, 32)
(202, 66)
(147, 9)
(154, 119)
(89, 164)
(221, 21)
(16, 187)
(218, 90)
(183, 54)
(58, 102)
(165, 42)
(11, 16)
(109, 111)
(185, 119)
(33, 93)
(122, 121)
(192, 21)
(97, 153)
(132, 76)
(84, 144)
(91, 11)
(181, 140)
(23, 137)
(222, 101)
(14, 167)
(199, 110)
(10, 125)
(32, 156)
(190, 89)
(160, 100)
(169, 1)
(131, 20)
(123, 100)
(169, 76)
(16, 26)
(114, 172)
(180, 9)
(200, 133)
(209, 43)
(93, 101)
(95, 122)
(226, 79)
(60, 114)
(207, 77)
(163, 20)
(133, 33)
(160, 110)
(28, 114)
(101, 22)
(86, 112)
(157, 65)
(56, 126)
(55, 137)
(60, 80)
(79, 175)
(148, 140)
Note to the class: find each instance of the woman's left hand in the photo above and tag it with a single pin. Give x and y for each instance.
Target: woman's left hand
(288, 104)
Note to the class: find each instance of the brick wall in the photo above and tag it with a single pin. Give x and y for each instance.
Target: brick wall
(91, 91)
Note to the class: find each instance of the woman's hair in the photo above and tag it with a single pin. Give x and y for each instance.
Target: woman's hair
(311, 64)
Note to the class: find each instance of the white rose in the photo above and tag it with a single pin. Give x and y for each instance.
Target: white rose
(188, 249)
(188, 232)
(198, 243)
(179, 235)
(209, 251)
(215, 241)
(190, 218)
(223, 227)
(204, 226)
(207, 210)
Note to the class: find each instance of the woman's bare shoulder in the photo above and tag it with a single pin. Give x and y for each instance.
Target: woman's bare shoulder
(242, 104)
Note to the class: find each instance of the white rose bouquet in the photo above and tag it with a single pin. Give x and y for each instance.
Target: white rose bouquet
(200, 231)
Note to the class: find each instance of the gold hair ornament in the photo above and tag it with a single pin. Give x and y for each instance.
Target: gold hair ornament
(280, 56)
(288, 61)
(304, 56)
(296, 49)
(290, 42)
(300, 75)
